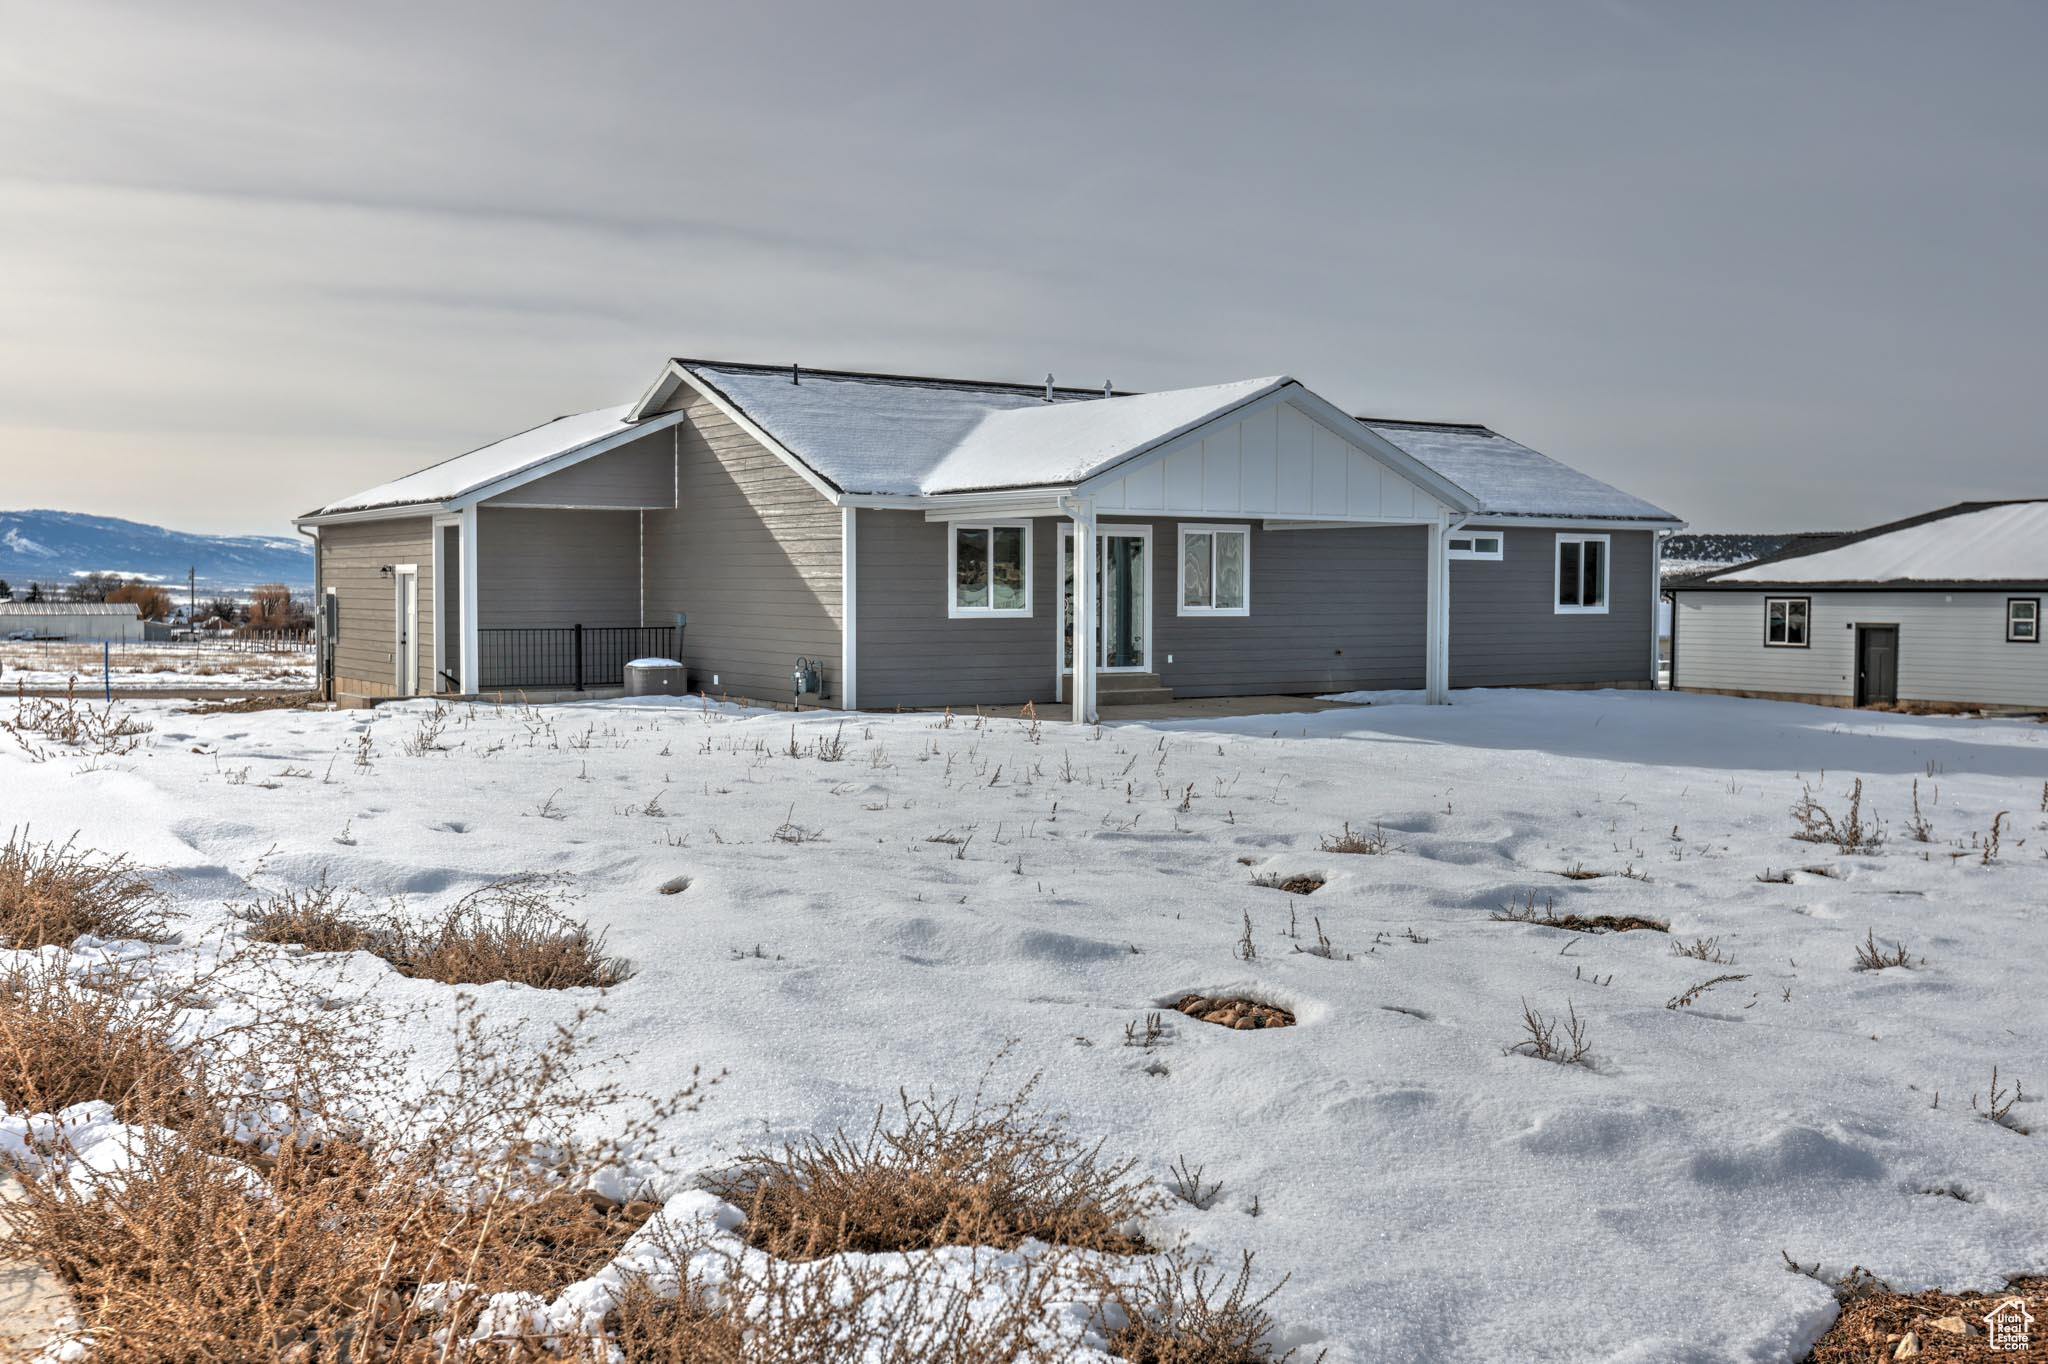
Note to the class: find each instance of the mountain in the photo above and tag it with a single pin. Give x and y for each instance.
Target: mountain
(55, 547)
(1690, 552)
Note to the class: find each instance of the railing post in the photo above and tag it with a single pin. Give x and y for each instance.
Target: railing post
(579, 657)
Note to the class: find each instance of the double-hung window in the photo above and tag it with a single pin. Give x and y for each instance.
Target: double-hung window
(2022, 620)
(990, 568)
(1786, 622)
(1581, 574)
(1476, 545)
(1215, 570)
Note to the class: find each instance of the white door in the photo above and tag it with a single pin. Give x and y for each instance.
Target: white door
(408, 651)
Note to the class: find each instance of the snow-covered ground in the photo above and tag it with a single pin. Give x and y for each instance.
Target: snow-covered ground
(960, 890)
(155, 667)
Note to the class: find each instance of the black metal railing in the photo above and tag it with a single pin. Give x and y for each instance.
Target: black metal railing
(567, 656)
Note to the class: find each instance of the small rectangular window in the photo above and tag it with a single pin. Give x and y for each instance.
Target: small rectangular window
(1215, 570)
(2022, 620)
(1478, 545)
(1785, 622)
(1581, 574)
(991, 570)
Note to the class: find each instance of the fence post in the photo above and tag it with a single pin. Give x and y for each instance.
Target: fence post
(107, 668)
(579, 657)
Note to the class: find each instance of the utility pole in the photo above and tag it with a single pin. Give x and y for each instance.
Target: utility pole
(192, 598)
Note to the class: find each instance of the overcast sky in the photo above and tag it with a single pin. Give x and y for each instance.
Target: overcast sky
(1771, 267)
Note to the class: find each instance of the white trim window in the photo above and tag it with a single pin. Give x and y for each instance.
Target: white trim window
(988, 569)
(1215, 570)
(1478, 544)
(1787, 622)
(1582, 574)
(2022, 620)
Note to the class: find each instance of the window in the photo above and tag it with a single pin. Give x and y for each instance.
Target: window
(1785, 622)
(1476, 546)
(991, 570)
(2022, 620)
(1215, 571)
(1581, 574)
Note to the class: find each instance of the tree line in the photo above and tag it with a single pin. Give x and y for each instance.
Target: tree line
(271, 606)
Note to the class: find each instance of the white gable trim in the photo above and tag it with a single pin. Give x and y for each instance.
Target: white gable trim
(1184, 459)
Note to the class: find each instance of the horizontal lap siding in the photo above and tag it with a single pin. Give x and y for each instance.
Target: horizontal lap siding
(1332, 610)
(351, 555)
(557, 567)
(640, 473)
(1506, 631)
(751, 554)
(913, 654)
(1952, 646)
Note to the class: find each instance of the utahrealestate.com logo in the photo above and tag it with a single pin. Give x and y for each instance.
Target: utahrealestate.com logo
(2006, 1325)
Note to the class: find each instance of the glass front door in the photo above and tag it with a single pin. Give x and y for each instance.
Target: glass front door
(1122, 601)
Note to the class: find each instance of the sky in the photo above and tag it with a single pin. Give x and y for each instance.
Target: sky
(1770, 266)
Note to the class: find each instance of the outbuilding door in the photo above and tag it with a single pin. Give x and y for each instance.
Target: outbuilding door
(407, 654)
(1877, 664)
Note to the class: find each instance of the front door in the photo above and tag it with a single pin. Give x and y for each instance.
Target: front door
(1877, 665)
(1123, 600)
(407, 655)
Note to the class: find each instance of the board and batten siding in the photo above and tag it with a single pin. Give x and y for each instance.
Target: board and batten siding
(1507, 632)
(751, 554)
(350, 558)
(557, 567)
(1952, 647)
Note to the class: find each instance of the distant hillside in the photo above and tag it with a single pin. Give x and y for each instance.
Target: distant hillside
(1703, 551)
(55, 547)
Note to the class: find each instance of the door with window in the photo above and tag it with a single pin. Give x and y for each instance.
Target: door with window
(1123, 600)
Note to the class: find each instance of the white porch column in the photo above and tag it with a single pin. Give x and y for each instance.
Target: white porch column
(1085, 609)
(1437, 636)
(849, 565)
(1657, 613)
(471, 653)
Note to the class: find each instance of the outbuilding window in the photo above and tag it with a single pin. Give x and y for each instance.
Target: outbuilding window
(1785, 622)
(1215, 570)
(2022, 620)
(1478, 545)
(990, 567)
(1581, 574)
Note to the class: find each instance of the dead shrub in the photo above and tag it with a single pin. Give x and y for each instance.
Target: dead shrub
(1871, 957)
(509, 930)
(1190, 1313)
(55, 893)
(317, 1242)
(937, 1175)
(64, 1042)
(1543, 1040)
(102, 730)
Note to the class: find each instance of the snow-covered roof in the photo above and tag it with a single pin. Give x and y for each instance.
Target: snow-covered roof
(69, 608)
(898, 435)
(1987, 542)
(1509, 478)
(499, 460)
(889, 435)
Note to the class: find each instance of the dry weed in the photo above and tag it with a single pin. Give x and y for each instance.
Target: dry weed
(938, 1175)
(1189, 1313)
(55, 893)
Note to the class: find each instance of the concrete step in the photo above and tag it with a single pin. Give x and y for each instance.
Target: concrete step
(1131, 689)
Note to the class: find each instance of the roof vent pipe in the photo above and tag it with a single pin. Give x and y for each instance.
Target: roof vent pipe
(794, 377)
(1107, 391)
(1048, 388)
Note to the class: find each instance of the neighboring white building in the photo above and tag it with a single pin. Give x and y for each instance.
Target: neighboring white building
(86, 622)
(1941, 611)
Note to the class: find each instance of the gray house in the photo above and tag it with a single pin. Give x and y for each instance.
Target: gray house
(1941, 612)
(919, 542)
